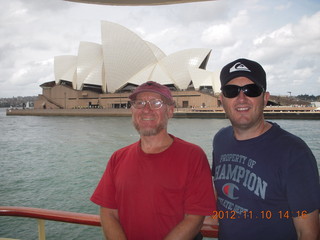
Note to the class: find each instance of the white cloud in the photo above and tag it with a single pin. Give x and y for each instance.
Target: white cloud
(302, 38)
(218, 35)
(283, 6)
(224, 34)
(293, 50)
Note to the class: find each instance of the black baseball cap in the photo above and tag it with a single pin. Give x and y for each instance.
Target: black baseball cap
(244, 68)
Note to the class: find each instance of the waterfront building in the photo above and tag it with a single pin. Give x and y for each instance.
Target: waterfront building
(103, 75)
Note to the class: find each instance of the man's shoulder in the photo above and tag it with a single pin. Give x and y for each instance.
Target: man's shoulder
(126, 149)
(185, 144)
(282, 135)
(224, 132)
(121, 155)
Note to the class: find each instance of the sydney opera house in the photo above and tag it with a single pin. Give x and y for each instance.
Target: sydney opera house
(103, 75)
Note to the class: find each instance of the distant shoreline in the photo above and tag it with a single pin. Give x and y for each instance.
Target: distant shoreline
(310, 115)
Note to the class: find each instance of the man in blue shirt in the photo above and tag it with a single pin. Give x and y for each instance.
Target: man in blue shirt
(266, 178)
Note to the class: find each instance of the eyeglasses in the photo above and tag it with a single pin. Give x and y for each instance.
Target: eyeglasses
(250, 90)
(154, 103)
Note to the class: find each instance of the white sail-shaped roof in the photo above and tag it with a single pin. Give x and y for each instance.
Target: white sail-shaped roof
(177, 64)
(159, 54)
(124, 58)
(174, 69)
(216, 85)
(200, 77)
(89, 65)
(124, 54)
(65, 68)
(153, 72)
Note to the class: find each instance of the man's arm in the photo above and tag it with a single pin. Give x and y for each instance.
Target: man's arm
(110, 224)
(211, 220)
(187, 229)
(307, 226)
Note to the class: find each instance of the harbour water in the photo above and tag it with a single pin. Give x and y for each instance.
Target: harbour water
(56, 162)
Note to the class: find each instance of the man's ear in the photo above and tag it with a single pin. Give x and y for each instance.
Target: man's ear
(170, 110)
(266, 98)
(221, 99)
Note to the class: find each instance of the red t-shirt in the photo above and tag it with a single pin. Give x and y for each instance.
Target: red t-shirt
(153, 192)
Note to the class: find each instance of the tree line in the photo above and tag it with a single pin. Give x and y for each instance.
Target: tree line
(16, 101)
(310, 98)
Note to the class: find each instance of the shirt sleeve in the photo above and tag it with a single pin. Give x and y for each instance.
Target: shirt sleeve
(200, 198)
(303, 187)
(105, 192)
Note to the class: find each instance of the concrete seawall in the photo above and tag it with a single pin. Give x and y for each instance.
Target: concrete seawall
(71, 112)
(177, 114)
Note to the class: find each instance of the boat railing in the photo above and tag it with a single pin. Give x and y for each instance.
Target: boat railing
(209, 231)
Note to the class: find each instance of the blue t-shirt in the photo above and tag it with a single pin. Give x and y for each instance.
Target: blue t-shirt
(262, 183)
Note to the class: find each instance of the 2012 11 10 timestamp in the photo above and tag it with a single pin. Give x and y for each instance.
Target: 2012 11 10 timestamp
(267, 214)
(288, 214)
(259, 215)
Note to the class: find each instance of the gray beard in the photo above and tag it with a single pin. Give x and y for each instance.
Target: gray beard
(149, 132)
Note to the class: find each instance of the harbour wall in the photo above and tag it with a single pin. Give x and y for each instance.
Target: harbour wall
(177, 114)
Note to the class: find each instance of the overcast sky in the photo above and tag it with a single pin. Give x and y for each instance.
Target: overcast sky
(282, 35)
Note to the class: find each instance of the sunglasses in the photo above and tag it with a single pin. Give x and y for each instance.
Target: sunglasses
(250, 90)
(154, 104)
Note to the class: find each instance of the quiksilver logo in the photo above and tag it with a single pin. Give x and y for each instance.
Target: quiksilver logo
(239, 67)
(229, 189)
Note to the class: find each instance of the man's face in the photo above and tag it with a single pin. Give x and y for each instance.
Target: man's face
(149, 121)
(244, 112)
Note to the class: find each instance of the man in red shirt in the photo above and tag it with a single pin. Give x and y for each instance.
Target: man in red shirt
(159, 187)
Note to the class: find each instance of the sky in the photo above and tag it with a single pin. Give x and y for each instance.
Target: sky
(282, 35)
